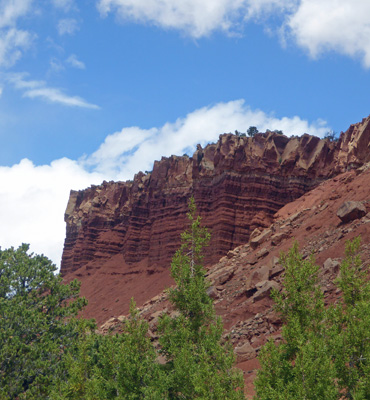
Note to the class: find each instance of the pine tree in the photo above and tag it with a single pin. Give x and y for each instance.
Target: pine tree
(199, 364)
(36, 323)
(300, 367)
(325, 353)
(121, 366)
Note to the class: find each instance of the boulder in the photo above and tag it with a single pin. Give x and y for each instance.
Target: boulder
(212, 292)
(258, 275)
(331, 266)
(276, 271)
(245, 352)
(351, 210)
(278, 238)
(264, 289)
(257, 240)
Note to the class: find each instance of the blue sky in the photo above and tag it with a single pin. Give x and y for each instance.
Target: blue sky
(99, 89)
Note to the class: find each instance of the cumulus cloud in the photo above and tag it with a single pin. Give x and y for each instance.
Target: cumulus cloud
(33, 198)
(197, 18)
(317, 26)
(75, 62)
(67, 26)
(332, 25)
(132, 149)
(38, 89)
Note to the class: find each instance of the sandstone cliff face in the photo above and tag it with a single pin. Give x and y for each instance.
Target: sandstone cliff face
(125, 233)
(242, 280)
(121, 235)
(354, 146)
(238, 184)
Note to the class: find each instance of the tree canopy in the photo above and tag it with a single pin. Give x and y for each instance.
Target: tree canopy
(36, 323)
(325, 353)
(47, 353)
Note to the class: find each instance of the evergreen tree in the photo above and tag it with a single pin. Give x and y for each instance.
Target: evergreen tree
(121, 366)
(325, 353)
(46, 353)
(36, 323)
(199, 364)
(350, 322)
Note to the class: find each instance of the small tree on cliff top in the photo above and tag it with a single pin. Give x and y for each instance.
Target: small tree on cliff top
(199, 365)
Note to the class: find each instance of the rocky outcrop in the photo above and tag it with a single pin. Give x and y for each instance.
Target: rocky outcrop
(130, 230)
(121, 235)
(242, 281)
(351, 210)
(238, 184)
(354, 146)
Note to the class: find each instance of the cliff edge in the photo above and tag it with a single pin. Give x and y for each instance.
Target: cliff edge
(121, 236)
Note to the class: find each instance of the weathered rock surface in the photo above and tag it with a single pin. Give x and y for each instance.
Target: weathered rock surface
(122, 235)
(351, 210)
(243, 284)
(238, 184)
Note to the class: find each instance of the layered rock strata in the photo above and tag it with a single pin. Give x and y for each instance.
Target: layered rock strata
(130, 230)
(238, 184)
(241, 281)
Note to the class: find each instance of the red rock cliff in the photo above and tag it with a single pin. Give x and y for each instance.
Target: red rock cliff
(239, 183)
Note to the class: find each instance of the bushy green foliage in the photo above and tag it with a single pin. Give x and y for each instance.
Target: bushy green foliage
(36, 324)
(120, 366)
(199, 365)
(325, 353)
(251, 131)
(351, 326)
(195, 362)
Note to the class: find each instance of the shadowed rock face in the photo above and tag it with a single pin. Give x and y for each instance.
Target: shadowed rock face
(238, 184)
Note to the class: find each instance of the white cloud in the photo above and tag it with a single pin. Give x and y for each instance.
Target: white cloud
(196, 18)
(261, 9)
(333, 25)
(11, 10)
(65, 5)
(13, 41)
(33, 198)
(75, 62)
(55, 95)
(317, 26)
(132, 149)
(38, 89)
(12, 44)
(56, 65)
(67, 26)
